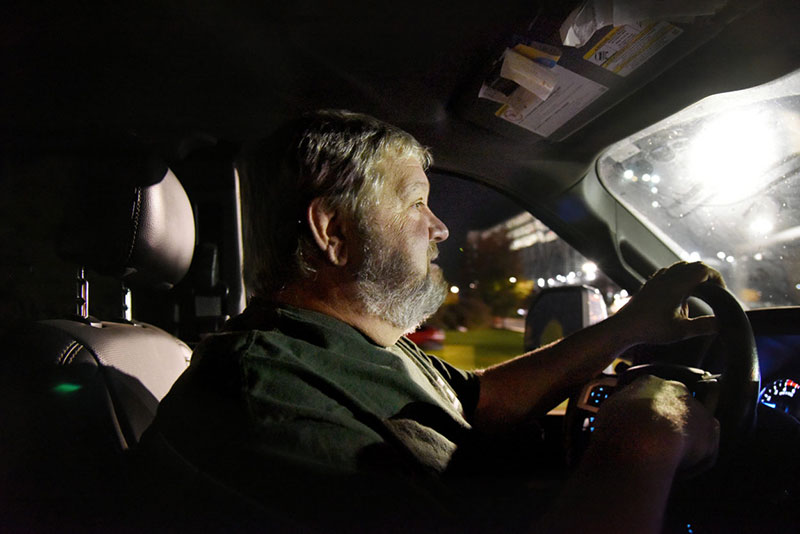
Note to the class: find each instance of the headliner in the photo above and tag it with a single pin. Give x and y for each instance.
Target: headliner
(174, 75)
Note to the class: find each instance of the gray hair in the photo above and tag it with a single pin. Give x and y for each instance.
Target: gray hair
(342, 157)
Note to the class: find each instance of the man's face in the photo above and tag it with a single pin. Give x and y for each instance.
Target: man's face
(396, 278)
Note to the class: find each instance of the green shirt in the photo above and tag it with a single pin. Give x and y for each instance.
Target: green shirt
(319, 426)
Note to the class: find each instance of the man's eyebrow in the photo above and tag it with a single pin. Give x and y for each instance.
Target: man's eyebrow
(412, 188)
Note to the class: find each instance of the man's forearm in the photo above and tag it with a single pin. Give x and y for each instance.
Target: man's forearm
(537, 381)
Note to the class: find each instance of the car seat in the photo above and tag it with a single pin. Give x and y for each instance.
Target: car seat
(77, 393)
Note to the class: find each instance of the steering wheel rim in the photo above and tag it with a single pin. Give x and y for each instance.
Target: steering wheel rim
(741, 379)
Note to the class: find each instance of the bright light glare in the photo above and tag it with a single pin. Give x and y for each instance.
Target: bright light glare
(512, 279)
(589, 267)
(694, 256)
(454, 290)
(540, 282)
(761, 226)
(731, 153)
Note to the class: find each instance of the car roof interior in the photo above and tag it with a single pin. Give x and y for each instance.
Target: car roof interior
(190, 82)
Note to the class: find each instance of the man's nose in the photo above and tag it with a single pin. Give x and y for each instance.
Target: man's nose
(438, 231)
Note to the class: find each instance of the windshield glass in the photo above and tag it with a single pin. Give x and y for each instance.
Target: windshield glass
(719, 182)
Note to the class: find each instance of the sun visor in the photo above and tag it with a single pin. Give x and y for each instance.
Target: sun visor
(539, 89)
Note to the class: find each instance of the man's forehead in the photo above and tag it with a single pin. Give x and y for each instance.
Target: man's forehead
(410, 178)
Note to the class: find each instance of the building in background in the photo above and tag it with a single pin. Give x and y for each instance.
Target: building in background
(522, 249)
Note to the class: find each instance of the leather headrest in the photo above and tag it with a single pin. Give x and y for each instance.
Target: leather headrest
(143, 234)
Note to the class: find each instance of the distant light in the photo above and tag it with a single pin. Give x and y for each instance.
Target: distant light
(761, 226)
(721, 255)
(655, 204)
(797, 287)
(758, 256)
(454, 290)
(473, 285)
(512, 279)
(589, 267)
(540, 282)
(628, 174)
(729, 259)
(66, 387)
(694, 256)
(520, 311)
(571, 277)
(655, 179)
(591, 276)
(550, 282)
(561, 278)
(645, 177)
(623, 293)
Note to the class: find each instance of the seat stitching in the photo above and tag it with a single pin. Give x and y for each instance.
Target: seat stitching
(137, 209)
(68, 354)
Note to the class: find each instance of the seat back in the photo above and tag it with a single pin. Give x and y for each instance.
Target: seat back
(77, 393)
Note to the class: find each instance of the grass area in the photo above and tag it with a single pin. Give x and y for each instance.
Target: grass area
(475, 349)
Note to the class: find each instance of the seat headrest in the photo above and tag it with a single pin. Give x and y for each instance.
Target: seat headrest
(142, 233)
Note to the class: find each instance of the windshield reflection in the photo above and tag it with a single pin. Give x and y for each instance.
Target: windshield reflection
(720, 181)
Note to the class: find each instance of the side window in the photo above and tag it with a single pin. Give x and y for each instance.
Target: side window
(497, 260)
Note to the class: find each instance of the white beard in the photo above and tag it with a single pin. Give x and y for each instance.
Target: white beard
(389, 287)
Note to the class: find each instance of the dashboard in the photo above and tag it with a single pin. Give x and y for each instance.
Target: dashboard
(779, 358)
(777, 336)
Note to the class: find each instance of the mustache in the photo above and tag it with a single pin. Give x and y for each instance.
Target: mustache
(433, 251)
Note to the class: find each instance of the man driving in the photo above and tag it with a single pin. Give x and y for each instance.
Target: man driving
(314, 411)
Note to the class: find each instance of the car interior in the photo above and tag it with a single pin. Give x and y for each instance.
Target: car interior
(121, 245)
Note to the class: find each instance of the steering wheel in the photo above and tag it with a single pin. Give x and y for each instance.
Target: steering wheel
(732, 396)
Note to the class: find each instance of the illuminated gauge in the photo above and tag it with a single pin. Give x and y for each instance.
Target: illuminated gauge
(782, 395)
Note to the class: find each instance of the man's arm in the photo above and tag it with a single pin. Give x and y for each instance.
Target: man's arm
(534, 382)
(645, 434)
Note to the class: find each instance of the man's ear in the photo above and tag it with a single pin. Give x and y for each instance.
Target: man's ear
(328, 231)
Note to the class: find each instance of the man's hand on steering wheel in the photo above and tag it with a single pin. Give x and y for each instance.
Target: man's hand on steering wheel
(658, 312)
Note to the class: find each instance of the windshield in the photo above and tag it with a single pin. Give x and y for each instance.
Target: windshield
(719, 182)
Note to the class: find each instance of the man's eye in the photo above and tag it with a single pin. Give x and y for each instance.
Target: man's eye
(419, 204)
